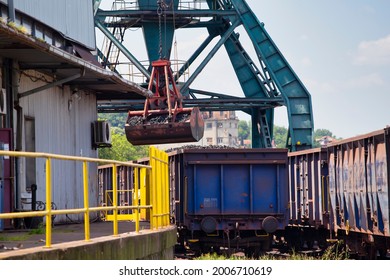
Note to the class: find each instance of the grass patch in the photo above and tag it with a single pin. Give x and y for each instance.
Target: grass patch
(335, 252)
(63, 230)
(39, 230)
(21, 237)
(215, 256)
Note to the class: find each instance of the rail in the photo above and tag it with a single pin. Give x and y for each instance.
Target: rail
(156, 174)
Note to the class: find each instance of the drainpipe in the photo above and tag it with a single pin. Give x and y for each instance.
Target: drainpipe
(34, 197)
(18, 131)
(18, 147)
(11, 11)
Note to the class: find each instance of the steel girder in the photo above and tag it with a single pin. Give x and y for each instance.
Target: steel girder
(273, 79)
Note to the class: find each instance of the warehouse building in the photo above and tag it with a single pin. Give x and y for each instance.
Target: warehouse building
(49, 81)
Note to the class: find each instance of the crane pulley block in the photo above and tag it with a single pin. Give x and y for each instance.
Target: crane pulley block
(164, 120)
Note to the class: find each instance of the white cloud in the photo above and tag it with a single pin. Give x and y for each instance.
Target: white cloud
(357, 85)
(368, 9)
(306, 61)
(304, 37)
(187, 44)
(319, 87)
(373, 52)
(366, 81)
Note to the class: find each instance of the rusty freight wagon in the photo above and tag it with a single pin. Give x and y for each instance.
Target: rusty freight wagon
(229, 198)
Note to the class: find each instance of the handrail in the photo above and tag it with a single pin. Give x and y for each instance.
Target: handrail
(159, 190)
(65, 157)
(156, 171)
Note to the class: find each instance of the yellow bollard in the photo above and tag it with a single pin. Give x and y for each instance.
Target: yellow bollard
(48, 202)
(115, 199)
(86, 201)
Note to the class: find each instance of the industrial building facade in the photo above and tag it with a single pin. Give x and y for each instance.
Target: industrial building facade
(49, 81)
(221, 128)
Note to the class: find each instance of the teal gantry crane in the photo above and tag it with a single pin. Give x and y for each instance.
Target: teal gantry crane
(267, 80)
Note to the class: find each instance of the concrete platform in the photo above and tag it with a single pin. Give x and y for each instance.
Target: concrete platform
(68, 242)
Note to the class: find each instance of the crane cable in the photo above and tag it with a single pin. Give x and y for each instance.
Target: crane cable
(161, 6)
(159, 12)
(175, 54)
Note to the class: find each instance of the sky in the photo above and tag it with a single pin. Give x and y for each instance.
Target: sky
(339, 49)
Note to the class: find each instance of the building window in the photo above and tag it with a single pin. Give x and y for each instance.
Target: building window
(209, 125)
(220, 125)
(220, 140)
(209, 140)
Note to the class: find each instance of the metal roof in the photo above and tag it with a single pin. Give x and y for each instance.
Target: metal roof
(72, 18)
(82, 71)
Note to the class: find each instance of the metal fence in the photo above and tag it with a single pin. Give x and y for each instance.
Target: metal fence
(154, 176)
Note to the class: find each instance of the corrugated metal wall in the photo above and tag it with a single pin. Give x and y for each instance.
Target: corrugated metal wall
(73, 18)
(62, 126)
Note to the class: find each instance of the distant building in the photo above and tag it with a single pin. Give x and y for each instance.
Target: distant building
(247, 143)
(50, 83)
(325, 140)
(220, 128)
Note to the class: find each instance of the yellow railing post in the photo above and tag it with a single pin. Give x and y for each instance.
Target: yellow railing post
(86, 201)
(151, 191)
(148, 198)
(115, 198)
(136, 198)
(157, 175)
(142, 198)
(153, 209)
(161, 182)
(167, 201)
(142, 187)
(134, 190)
(148, 179)
(48, 202)
(157, 186)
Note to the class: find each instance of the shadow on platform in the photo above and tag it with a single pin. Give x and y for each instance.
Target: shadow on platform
(11, 240)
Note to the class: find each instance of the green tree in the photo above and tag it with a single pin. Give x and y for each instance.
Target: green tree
(323, 132)
(117, 130)
(319, 133)
(121, 149)
(115, 119)
(243, 131)
(280, 136)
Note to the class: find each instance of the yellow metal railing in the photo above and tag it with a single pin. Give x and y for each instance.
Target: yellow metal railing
(159, 190)
(154, 174)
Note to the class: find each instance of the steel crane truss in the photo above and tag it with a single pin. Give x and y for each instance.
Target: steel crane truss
(271, 84)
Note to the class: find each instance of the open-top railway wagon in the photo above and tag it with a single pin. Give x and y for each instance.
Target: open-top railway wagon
(342, 192)
(229, 198)
(245, 198)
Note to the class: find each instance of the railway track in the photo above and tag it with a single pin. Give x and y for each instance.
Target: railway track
(273, 253)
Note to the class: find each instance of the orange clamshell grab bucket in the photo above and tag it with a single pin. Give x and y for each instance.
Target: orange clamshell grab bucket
(164, 120)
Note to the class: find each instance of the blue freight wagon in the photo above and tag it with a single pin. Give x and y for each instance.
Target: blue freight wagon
(341, 192)
(229, 197)
(308, 198)
(359, 192)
